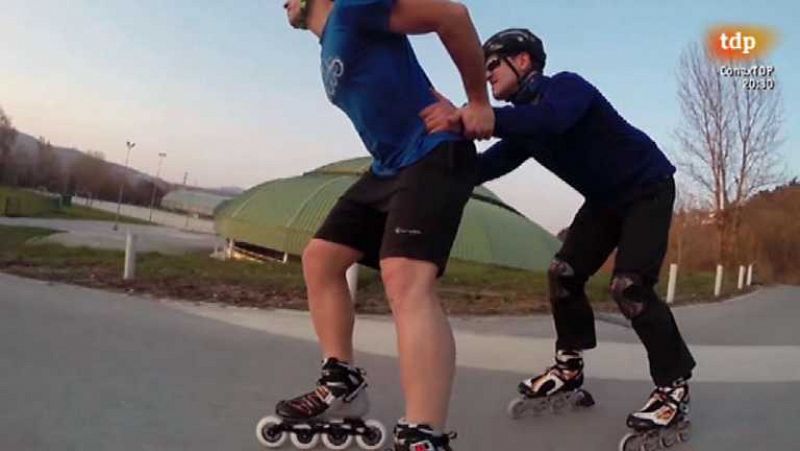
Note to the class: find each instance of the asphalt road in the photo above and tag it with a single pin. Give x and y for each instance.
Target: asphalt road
(83, 369)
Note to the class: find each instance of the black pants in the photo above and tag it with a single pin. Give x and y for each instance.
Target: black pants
(639, 229)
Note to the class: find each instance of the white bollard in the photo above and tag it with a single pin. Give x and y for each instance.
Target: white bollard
(749, 274)
(352, 281)
(673, 278)
(130, 257)
(718, 282)
(740, 284)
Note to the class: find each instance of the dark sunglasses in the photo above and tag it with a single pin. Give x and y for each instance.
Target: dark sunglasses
(493, 64)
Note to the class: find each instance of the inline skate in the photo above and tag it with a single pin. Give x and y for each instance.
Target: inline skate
(663, 421)
(557, 389)
(332, 412)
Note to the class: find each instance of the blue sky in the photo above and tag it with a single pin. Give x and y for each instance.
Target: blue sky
(234, 96)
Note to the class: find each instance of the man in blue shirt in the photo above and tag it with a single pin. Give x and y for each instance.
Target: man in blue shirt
(568, 126)
(402, 216)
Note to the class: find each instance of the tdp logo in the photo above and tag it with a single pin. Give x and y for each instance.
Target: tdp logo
(740, 42)
(737, 42)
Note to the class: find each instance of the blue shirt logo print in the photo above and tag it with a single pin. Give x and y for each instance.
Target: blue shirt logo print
(332, 71)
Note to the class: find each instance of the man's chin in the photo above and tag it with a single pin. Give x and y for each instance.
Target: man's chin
(297, 24)
(500, 95)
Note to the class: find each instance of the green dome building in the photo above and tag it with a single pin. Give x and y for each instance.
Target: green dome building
(279, 217)
(190, 201)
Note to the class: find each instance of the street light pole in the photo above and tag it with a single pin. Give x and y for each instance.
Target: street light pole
(161, 156)
(130, 145)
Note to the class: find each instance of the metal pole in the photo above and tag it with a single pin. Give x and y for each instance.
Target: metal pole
(749, 274)
(673, 276)
(130, 145)
(740, 284)
(718, 282)
(185, 176)
(130, 257)
(161, 156)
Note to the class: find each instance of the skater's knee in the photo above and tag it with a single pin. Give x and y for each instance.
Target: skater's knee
(323, 259)
(631, 295)
(563, 283)
(408, 283)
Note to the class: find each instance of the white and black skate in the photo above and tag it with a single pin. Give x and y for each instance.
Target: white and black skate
(416, 437)
(333, 412)
(558, 389)
(662, 423)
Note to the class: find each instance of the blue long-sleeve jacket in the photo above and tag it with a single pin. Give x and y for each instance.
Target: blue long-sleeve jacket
(567, 125)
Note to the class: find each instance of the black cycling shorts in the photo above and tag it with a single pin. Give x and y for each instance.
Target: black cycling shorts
(414, 214)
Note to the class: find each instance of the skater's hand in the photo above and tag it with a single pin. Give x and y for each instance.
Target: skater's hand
(441, 116)
(478, 120)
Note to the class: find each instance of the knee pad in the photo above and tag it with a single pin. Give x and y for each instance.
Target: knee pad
(562, 282)
(629, 294)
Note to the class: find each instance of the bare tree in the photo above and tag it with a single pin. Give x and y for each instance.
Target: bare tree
(686, 214)
(8, 135)
(729, 139)
(47, 174)
(91, 175)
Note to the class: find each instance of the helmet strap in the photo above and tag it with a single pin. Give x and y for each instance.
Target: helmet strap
(513, 68)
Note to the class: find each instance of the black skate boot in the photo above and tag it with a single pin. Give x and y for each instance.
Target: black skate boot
(333, 411)
(558, 387)
(662, 422)
(420, 437)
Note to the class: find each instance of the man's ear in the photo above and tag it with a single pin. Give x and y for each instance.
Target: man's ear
(524, 62)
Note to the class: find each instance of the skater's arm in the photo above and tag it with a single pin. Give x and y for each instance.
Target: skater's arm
(500, 159)
(452, 23)
(566, 101)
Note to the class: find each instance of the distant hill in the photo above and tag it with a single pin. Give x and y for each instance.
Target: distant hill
(26, 146)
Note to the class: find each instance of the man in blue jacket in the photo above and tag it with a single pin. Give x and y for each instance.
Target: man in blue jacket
(566, 124)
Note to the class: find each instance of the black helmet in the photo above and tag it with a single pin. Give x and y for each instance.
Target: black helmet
(513, 41)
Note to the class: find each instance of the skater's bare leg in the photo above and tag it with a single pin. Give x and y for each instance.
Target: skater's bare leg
(425, 341)
(324, 266)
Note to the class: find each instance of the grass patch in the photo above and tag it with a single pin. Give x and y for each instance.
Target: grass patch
(191, 276)
(12, 238)
(467, 288)
(27, 203)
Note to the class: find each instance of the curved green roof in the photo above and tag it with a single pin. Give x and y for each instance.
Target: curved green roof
(284, 214)
(192, 201)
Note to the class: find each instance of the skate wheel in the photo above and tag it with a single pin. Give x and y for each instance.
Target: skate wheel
(373, 437)
(684, 431)
(669, 438)
(557, 404)
(584, 399)
(516, 408)
(303, 437)
(337, 440)
(537, 406)
(631, 442)
(269, 433)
